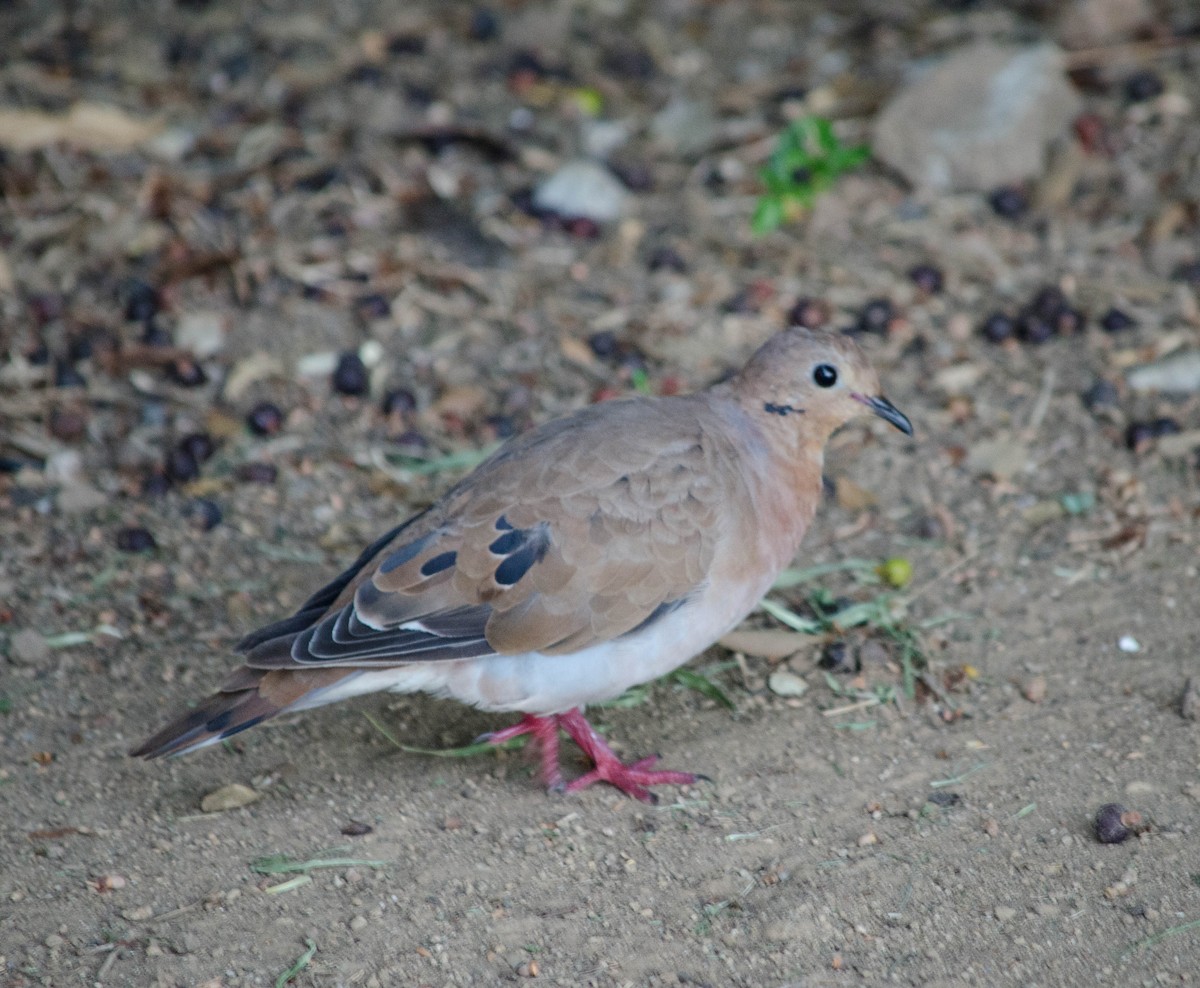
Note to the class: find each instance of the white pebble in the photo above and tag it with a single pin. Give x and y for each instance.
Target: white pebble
(1127, 643)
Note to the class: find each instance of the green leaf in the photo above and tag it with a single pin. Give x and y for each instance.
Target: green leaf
(702, 684)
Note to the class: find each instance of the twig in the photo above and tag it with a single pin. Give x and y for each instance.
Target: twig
(871, 701)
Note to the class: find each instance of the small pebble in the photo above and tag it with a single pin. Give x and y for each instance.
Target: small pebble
(264, 419)
(1035, 689)
(358, 923)
(782, 682)
(1004, 913)
(1127, 643)
(1189, 700)
(28, 647)
(1188, 272)
(153, 335)
(68, 424)
(135, 540)
(350, 375)
(355, 828)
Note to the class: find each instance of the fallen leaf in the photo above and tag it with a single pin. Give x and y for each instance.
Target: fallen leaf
(89, 126)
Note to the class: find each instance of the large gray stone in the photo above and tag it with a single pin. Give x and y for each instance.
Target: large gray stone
(984, 117)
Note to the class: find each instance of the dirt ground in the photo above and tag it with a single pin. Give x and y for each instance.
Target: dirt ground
(337, 176)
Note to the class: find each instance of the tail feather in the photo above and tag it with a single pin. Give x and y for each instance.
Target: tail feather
(248, 697)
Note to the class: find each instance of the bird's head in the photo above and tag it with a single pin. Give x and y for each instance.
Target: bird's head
(814, 382)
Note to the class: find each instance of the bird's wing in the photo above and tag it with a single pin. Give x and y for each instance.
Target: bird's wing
(578, 533)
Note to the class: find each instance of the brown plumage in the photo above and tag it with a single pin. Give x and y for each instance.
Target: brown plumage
(596, 552)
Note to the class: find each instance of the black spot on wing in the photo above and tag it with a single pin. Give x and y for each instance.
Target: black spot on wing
(405, 553)
(509, 542)
(439, 563)
(522, 548)
(319, 603)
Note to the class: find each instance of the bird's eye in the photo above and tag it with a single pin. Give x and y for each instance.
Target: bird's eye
(825, 375)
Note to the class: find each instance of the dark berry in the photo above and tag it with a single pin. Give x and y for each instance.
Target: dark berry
(1102, 394)
(927, 278)
(265, 419)
(1143, 85)
(399, 401)
(1188, 272)
(1048, 303)
(203, 514)
(1164, 427)
(998, 327)
(350, 375)
(412, 442)
(666, 259)
(875, 316)
(181, 467)
(257, 473)
(374, 306)
(68, 424)
(501, 426)
(604, 344)
(154, 335)
(135, 540)
(582, 228)
(1008, 201)
(1116, 321)
(636, 176)
(484, 25)
(837, 657)
(1114, 823)
(46, 308)
(1139, 435)
(199, 445)
(79, 347)
(66, 376)
(141, 301)
(1032, 328)
(811, 313)
(155, 484)
(186, 373)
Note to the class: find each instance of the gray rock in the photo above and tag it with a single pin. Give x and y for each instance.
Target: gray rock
(1092, 23)
(687, 127)
(582, 189)
(984, 117)
(28, 648)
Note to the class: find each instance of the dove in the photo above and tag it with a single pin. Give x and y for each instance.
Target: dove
(594, 553)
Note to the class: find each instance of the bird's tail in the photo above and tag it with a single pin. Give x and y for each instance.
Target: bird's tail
(248, 697)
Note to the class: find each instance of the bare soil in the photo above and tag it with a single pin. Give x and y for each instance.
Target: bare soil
(939, 838)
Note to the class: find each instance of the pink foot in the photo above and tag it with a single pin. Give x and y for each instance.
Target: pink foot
(631, 779)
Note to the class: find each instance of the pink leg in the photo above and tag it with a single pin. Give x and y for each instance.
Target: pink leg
(630, 779)
(544, 733)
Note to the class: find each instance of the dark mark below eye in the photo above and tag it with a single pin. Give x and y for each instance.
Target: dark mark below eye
(772, 409)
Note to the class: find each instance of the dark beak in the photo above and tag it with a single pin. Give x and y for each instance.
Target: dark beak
(886, 411)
